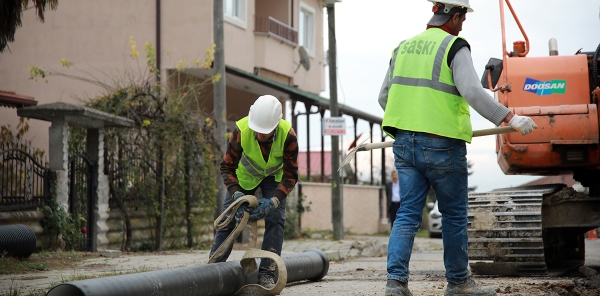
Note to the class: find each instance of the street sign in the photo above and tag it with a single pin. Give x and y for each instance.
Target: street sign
(334, 126)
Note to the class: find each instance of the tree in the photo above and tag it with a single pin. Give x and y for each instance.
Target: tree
(10, 16)
(165, 166)
(469, 165)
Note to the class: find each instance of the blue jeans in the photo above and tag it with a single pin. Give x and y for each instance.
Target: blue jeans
(274, 227)
(423, 161)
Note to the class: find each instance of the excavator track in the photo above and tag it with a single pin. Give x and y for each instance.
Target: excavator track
(506, 234)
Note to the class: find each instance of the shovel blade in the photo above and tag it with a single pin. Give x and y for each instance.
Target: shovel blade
(348, 158)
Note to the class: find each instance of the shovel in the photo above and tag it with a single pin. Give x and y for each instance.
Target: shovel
(371, 146)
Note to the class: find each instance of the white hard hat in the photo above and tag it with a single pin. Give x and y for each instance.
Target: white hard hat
(459, 3)
(444, 9)
(264, 114)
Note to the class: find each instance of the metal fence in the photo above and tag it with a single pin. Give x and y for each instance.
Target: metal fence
(24, 180)
(131, 177)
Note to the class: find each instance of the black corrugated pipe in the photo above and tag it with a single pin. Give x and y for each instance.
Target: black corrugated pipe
(206, 280)
(17, 240)
(311, 265)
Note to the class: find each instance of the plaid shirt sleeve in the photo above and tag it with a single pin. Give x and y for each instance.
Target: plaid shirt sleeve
(290, 166)
(230, 161)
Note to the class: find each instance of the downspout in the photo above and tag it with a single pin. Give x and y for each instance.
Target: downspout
(161, 159)
(158, 45)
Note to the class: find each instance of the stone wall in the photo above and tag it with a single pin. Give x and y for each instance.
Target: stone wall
(361, 216)
(143, 230)
(32, 220)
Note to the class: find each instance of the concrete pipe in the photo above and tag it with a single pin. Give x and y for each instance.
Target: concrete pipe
(17, 240)
(210, 279)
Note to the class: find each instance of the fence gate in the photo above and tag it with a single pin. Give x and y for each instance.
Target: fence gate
(24, 181)
(81, 199)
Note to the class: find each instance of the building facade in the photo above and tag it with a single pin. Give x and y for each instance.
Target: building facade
(262, 40)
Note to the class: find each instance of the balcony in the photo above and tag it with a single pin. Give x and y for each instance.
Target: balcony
(276, 29)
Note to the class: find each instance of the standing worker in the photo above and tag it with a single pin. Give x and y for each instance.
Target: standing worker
(392, 192)
(262, 152)
(426, 95)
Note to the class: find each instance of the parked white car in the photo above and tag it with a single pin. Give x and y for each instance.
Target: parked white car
(434, 220)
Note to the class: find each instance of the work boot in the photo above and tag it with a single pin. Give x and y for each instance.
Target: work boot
(468, 288)
(266, 281)
(397, 288)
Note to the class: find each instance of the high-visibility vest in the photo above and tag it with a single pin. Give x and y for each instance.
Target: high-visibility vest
(422, 95)
(252, 168)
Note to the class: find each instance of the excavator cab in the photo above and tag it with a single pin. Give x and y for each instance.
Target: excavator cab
(539, 230)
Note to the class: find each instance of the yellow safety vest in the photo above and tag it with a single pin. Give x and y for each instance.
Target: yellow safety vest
(252, 168)
(423, 97)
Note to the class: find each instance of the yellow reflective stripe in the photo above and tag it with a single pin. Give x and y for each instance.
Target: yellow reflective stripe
(246, 162)
(439, 58)
(450, 89)
(251, 166)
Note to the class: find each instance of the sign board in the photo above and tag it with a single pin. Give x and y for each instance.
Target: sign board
(334, 126)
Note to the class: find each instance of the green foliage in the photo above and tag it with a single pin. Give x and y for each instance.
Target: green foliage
(143, 246)
(423, 232)
(11, 13)
(171, 146)
(59, 224)
(469, 166)
(300, 207)
(166, 165)
(18, 139)
(76, 140)
(37, 266)
(292, 217)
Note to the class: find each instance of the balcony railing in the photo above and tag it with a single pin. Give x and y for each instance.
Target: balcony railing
(274, 28)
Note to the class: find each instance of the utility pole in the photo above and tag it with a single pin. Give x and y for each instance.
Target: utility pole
(219, 97)
(337, 202)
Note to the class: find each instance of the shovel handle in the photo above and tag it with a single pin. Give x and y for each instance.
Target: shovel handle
(494, 131)
(477, 133)
(371, 146)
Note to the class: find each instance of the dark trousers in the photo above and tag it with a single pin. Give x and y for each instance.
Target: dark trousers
(394, 206)
(274, 226)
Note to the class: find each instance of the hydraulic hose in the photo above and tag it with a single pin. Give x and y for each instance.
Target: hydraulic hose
(596, 78)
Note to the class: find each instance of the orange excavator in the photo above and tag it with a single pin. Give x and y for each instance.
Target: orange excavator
(540, 230)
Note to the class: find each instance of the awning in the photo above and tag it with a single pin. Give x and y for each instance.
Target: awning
(303, 96)
(12, 100)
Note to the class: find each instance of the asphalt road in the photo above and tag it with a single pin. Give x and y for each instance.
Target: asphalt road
(358, 267)
(368, 276)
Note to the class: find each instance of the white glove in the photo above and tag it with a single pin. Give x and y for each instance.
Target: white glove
(522, 124)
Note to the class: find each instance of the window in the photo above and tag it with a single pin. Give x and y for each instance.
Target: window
(306, 32)
(234, 12)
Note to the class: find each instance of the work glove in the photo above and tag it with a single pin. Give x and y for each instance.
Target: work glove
(265, 205)
(522, 124)
(243, 207)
